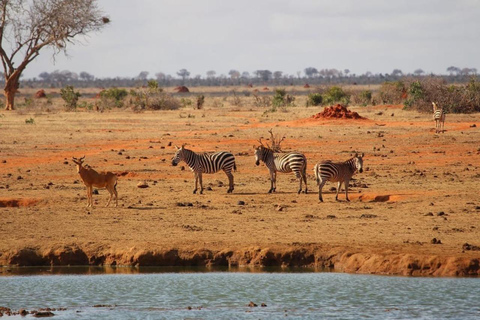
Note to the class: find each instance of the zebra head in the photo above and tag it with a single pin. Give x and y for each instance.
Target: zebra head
(178, 155)
(259, 154)
(358, 162)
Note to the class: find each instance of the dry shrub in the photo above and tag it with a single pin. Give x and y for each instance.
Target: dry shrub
(464, 98)
(392, 93)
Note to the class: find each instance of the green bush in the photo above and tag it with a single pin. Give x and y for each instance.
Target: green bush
(314, 99)
(415, 93)
(70, 96)
(282, 99)
(114, 96)
(334, 95)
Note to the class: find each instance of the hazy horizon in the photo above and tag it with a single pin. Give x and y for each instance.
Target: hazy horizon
(288, 36)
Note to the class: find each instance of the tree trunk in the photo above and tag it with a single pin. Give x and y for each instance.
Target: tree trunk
(10, 89)
(10, 99)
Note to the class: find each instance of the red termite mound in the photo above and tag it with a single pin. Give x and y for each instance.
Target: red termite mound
(40, 94)
(337, 112)
(181, 89)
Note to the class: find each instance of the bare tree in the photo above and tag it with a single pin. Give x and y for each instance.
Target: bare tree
(28, 26)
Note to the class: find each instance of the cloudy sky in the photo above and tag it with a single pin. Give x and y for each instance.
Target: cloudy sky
(278, 35)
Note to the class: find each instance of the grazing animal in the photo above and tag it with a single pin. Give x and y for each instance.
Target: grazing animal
(337, 172)
(282, 162)
(439, 117)
(92, 178)
(206, 163)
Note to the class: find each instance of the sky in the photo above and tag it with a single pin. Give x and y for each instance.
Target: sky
(375, 36)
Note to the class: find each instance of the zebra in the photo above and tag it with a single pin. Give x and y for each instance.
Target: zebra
(337, 172)
(439, 117)
(206, 163)
(282, 162)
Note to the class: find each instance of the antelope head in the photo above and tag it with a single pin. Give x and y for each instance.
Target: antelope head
(78, 162)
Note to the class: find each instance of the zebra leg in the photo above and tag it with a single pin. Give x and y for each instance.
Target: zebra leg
(320, 187)
(196, 183)
(305, 179)
(339, 186)
(300, 177)
(273, 183)
(347, 183)
(230, 181)
(201, 182)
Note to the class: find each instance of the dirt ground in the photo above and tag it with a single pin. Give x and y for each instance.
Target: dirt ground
(413, 211)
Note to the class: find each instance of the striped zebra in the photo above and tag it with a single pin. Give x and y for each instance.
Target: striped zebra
(206, 163)
(439, 117)
(337, 172)
(282, 162)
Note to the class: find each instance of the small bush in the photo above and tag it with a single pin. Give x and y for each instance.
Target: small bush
(282, 99)
(113, 97)
(264, 101)
(334, 95)
(236, 100)
(200, 101)
(152, 97)
(392, 92)
(314, 99)
(30, 121)
(70, 96)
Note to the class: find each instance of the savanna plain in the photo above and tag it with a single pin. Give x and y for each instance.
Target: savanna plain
(413, 211)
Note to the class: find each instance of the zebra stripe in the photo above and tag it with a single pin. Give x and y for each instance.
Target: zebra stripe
(206, 163)
(282, 162)
(337, 172)
(439, 117)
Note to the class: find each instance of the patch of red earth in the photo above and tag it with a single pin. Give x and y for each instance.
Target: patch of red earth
(389, 196)
(17, 202)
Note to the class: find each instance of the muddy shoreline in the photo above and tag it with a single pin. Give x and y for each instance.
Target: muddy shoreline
(318, 258)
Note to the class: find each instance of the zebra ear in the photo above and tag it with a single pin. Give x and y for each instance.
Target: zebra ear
(363, 154)
(176, 147)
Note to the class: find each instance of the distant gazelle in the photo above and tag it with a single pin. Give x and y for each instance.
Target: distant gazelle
(340, 172)
(439, 117)
(201, 163)
(92, 178)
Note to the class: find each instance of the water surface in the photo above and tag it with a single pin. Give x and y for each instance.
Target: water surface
(225, 295)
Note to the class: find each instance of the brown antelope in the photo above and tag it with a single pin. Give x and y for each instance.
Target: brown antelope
(92, 178)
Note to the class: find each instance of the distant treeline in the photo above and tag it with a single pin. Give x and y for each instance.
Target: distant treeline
(60, 79)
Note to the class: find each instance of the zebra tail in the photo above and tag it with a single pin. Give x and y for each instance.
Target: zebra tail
(234, 167)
